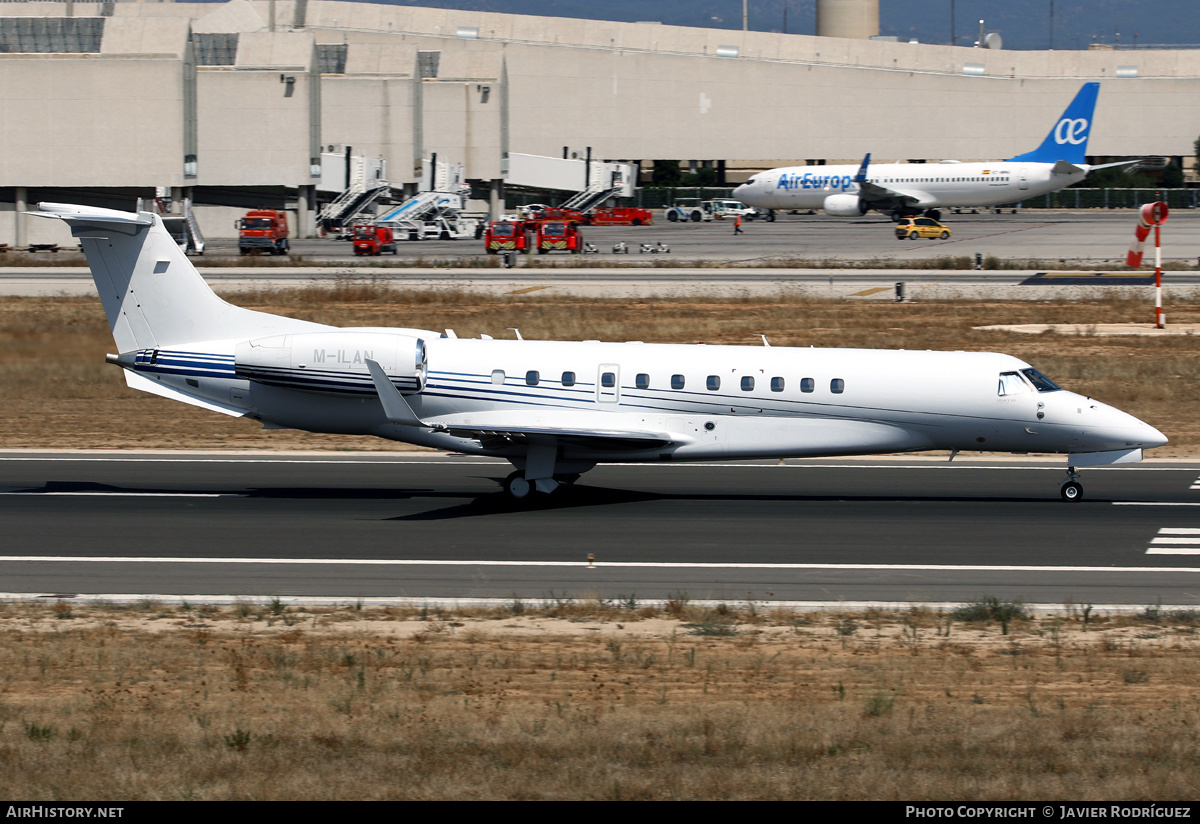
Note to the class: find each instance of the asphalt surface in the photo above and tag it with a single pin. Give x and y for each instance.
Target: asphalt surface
(1093, 234)
(437, 527)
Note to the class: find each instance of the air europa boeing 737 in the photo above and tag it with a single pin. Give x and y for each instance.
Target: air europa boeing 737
(904, 189)
(556, 409)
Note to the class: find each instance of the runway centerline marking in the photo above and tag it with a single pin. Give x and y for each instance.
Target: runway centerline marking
(113, 559)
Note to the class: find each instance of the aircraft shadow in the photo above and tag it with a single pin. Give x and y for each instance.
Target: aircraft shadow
(577, 496)
(566, 497)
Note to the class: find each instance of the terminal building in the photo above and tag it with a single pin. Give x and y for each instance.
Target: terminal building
(279, 103)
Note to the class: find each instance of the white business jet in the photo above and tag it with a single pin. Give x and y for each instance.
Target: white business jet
(904, 189)
(556, 409)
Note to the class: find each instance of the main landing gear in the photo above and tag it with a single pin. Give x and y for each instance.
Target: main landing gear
(520, 488)
(1072, 489)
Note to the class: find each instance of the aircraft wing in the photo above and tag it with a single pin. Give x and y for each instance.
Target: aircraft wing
(885, 196)
(585, 428)
(595, 430)
(874, 193)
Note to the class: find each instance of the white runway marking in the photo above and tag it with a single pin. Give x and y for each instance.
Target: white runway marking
(1175, 541)
(114, 559)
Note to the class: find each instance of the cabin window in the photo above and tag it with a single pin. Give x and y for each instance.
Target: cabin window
(776, 384)
(748, 383)
(497, 376)
(531, 378)
(837, 386)
(677, 381)
(642, 381)
(713, 383)
(608, 380)
(568, 379)
(1040, 382)
(807, 385)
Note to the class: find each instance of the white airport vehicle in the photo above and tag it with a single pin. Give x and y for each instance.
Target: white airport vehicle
(905, 189)
(696, 210)
(555, 409)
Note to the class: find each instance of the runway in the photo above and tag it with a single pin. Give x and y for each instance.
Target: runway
(412, 526)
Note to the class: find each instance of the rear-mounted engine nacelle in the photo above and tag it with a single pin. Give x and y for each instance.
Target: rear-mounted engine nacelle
(333, 362)
(845, 206)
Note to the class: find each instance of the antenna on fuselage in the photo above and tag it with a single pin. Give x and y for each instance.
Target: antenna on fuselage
(518, 331)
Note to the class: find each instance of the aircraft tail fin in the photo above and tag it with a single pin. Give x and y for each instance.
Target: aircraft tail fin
(1068, 139)
(152, 294)
(861, 175)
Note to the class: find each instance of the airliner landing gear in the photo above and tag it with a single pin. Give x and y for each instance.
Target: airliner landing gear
(933, 214)
(1072, 490)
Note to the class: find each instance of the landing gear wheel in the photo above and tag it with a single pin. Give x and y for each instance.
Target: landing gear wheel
(517, 487)
(1072, 491)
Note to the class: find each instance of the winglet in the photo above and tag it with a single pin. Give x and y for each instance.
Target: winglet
(395, 407)
(861, 177)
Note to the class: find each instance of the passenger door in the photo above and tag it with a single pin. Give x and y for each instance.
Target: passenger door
(608, 383)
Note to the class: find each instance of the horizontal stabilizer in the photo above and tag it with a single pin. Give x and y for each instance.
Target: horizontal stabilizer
(1062, 167)
(85, 214)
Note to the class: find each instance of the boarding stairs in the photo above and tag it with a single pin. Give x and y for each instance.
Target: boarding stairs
(430, 215)
(590, 197)
(351, 203)
(183, 227)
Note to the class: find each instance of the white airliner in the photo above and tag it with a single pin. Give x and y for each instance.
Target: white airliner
(556, 409)
(903, 189)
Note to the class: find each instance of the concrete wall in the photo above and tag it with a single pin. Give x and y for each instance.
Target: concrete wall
(535, 84)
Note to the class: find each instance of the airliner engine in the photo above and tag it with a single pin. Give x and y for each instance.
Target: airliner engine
(334, 362)
(845, 206)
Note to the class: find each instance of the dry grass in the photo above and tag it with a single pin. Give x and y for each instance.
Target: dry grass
(579, 700)
(59, 392)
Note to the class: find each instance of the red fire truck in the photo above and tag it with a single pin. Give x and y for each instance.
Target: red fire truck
(507, 236)
(558, 236)
(263, 230)
(370, 239)
(619, 216)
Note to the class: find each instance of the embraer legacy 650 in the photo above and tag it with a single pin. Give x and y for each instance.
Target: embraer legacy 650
(556, 409)
(905, 189)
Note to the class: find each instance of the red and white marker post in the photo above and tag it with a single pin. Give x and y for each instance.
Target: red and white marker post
(1152, 215)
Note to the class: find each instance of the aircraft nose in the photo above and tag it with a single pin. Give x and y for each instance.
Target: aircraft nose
(741, 190)
(1151, 437)
(1131, 430)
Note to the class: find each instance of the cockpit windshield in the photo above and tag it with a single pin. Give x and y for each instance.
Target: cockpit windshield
(1027, 380)
(1040, 382)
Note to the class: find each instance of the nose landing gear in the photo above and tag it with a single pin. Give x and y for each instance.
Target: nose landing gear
(1072, 490)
